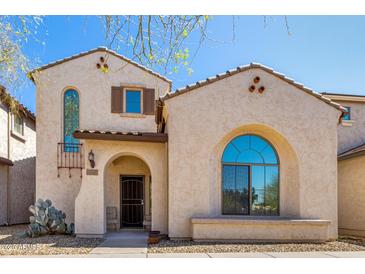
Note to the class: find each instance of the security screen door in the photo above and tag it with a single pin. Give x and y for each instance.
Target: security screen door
(132, 195)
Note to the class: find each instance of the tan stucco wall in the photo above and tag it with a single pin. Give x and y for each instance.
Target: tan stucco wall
(351, 196)
(301, 127)
(352, 134)
(125, 165)
(19, 194)
(94, 89)
(264, 229)
(90, 214)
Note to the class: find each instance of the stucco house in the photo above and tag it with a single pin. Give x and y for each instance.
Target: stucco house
(246, 154)
(17, 160)
(351, 162)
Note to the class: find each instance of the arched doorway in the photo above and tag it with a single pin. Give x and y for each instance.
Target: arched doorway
(250, 177)
(128, 193)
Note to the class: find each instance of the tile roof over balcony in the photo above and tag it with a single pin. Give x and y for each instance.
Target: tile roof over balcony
(111, 135)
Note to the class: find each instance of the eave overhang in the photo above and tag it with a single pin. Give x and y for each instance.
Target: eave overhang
(152, 137)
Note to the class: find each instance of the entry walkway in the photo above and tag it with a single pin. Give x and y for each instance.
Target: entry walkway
(124, 243)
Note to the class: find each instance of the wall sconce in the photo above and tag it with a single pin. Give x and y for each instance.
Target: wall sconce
(92, 158)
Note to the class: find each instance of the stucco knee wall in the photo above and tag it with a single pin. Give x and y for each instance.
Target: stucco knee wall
(260, 230)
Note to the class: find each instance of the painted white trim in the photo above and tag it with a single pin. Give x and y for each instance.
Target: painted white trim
(13, 132)
(347, 123)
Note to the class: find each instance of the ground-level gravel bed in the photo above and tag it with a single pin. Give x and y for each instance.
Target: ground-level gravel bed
(12, 244)
(342, 244)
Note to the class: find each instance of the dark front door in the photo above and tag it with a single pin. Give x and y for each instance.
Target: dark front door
(131, 201)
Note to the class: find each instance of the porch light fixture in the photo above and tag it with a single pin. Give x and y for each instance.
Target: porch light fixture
(91, 158)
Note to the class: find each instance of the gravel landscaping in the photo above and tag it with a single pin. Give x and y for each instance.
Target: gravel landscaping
(342, 244)
(11, 244)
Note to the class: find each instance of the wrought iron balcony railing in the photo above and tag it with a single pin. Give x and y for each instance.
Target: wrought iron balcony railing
(71, 156)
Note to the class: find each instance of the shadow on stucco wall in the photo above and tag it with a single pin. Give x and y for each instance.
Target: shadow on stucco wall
(21, 190)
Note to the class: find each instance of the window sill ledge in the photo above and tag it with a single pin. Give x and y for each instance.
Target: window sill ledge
(17, 136)
(133, 115)
(262, 220)
(347, 123)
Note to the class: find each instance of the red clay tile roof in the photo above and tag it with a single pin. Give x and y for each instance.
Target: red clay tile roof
(120, 136)
(23, 108)
(353, 152)
(99, 49)
(239, 69)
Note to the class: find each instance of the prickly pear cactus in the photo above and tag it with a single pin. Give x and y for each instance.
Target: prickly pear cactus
(47, 219)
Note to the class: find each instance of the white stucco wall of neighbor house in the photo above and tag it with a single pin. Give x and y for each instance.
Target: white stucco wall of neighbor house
(352, 133)
(22, 174)
(17, 184)
(94, 88)
(302, 128)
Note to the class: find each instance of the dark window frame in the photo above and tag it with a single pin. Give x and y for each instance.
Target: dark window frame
(71, 146)
(250, 165)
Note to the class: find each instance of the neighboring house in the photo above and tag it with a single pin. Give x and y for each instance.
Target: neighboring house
(17, 160)
(247, 154)
(351, 163)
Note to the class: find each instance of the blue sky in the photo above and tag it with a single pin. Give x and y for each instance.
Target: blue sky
(325, 53)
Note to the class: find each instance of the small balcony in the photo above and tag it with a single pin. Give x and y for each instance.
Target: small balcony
(70, 156)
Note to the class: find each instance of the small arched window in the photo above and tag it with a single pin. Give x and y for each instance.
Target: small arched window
(250, 177)
(70, 120)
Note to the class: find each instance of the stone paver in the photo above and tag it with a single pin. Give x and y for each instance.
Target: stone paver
(347, 254)
(299, 255)
(177, 255)
(239, 255)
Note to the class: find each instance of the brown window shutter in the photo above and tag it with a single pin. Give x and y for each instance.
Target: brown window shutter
(117, 99)
(149, 101)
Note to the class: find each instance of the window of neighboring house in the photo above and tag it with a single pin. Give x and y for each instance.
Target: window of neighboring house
(133, 101)
(347, 116)
(250, 177)
(18, 124)
(70, 120)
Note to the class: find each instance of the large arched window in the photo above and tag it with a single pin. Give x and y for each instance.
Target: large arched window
(250, 177)
(70, 120)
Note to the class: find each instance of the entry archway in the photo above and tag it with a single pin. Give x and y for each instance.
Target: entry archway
(127, 182)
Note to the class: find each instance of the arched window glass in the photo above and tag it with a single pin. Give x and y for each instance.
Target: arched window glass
(71, 120)
(250, 177)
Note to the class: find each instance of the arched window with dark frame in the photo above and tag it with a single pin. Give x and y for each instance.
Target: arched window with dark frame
(71, 109)
(250, 177)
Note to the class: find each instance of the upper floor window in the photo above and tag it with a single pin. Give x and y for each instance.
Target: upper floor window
(133, 102)
(347, 116)
(70, 119)
(18, 125)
